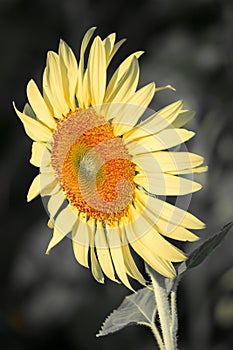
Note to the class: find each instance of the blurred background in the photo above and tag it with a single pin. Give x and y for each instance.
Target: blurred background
(51, 301)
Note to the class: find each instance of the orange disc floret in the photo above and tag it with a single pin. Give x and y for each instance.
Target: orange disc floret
(93, 166)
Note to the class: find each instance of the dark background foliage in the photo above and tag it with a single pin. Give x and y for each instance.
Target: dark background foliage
(51, 301)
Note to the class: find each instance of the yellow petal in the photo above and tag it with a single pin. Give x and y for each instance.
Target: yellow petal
(39, 185)
(40, 154)
(50, 223)
(129, 262)
(160, 265)
(53, 85)
(175, 232)
(69, 71)
(200, 169)
(55, 202)
(39, 106)
(108, 45)
(163, 140)
(127, 85)
(48, 183)
(85, 42)
(34, 129)
(114, 50)
(51, 189)
(80, 240)
(45, 84)
(65, 220)
(161, 88)
(103, 253)
(144, 230)
(142, 97)
(166, 184)
(156, 122)
(57, 237)
(119, 73)
(117, 257)
(169, 212)
(167, 161)
(97, 71)
(184, 117)
(34, 189)
(95, 266)
(162, 226)
(86, 97)
(130, 111)
(170, 161)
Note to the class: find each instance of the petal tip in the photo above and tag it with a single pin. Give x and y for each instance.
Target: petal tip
(31, 196)
(170, 87)
(51, 223)
(14, 105)
(47, 251)
(195, 239)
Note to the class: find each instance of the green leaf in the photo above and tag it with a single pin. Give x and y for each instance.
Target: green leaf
(201, 253)
(137, 308)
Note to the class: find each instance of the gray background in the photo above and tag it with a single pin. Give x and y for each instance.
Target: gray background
(52, 302)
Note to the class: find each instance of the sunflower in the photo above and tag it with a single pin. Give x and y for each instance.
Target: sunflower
(104, 167)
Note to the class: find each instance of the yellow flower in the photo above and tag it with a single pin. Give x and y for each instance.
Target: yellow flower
(104, 168)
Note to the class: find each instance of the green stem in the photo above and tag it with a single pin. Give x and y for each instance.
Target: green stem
(157, 336)
(174, 318)
(161, 298)
(155, 332)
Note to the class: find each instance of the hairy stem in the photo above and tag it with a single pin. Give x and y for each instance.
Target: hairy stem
(157, 336)
(155, 332)
(163, 306)
(174, 318)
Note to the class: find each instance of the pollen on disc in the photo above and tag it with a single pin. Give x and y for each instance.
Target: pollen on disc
(93, 166)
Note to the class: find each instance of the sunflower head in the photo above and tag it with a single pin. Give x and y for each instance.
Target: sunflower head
(104, 167)
(93, 166)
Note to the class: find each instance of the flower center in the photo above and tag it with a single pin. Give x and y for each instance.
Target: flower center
(93, 166)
